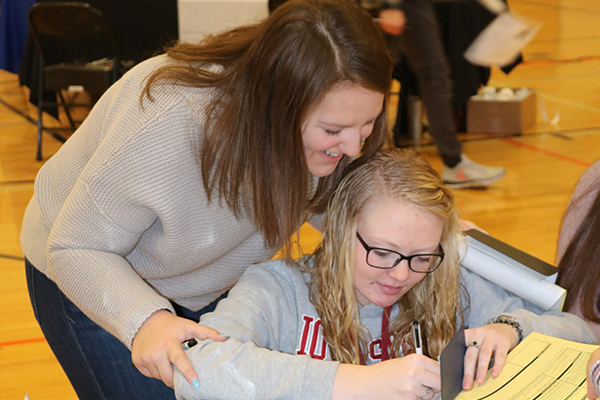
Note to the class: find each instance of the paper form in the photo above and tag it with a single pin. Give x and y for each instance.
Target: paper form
(541, 367)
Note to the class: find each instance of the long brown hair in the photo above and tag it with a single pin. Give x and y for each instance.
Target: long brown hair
(400, 175)
(274, 73)
(579, 270)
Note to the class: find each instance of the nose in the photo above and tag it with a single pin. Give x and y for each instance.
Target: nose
(351, 143)
(401, 271)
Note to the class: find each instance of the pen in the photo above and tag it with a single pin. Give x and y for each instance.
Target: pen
(417, 335)
(188, 344)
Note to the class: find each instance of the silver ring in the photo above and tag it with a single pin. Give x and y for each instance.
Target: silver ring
(426, 390)
(474, 344)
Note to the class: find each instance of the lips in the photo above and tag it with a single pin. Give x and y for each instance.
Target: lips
(390, 290)
(332, 155)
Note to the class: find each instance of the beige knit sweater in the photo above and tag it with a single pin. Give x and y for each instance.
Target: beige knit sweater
(120, 219)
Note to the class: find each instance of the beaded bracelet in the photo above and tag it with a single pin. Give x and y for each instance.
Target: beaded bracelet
(595, 376)
(504, 319)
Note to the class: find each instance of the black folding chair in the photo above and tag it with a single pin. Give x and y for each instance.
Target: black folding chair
(77, 51)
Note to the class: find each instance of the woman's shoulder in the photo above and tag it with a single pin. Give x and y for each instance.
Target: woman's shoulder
(587, 185)
(283, 271)
(273, 284)
(474, 284)
(581, 201)
(138, 76)
(168, 112)
(141, 71)
(470, 278)
(285, 275)
(151, 64)
(591, 175)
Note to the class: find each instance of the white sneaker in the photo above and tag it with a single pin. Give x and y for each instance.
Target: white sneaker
(468, 174)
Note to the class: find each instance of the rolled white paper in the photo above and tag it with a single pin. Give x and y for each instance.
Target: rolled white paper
(513, 276)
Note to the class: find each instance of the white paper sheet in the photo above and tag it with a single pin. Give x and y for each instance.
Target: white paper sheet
(495, 6)
(501, 41)
(513, 276)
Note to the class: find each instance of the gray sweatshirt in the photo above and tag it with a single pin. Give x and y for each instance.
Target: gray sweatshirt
(276, 349)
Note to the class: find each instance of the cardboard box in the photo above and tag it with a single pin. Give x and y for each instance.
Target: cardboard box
(505, 117)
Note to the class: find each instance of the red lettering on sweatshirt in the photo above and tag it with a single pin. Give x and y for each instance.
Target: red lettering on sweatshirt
(313, 344)
(311, 340)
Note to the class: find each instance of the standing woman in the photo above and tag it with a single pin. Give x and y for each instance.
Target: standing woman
(191, 167)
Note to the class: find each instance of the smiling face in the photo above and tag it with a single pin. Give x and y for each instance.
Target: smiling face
(395, 225)
(337, 126)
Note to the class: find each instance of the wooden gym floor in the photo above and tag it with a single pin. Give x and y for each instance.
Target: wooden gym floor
(524, 209)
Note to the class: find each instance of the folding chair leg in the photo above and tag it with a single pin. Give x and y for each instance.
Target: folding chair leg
(66, 107)
(38, 155)
(40, 110)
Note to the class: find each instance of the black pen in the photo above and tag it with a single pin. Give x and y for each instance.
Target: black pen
(417, 335)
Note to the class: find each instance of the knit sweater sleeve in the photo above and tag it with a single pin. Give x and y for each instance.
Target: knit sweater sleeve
(87, 261)
(122, 191)
(263, 316)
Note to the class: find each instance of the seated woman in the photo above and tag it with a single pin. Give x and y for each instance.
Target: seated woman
(579, 248)
(341, 325)
(578, 256)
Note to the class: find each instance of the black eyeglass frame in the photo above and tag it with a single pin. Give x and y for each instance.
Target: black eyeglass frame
(368, 248)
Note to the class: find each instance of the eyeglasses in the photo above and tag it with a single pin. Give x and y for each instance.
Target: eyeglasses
(388, 259)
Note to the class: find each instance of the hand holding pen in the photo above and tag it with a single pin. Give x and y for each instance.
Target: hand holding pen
(157, 346)
(408, 377)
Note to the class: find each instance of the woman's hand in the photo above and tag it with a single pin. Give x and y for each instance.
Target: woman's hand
(392, 21)
(157, 345)
(493, 339)
(591, 393)
(407, 378)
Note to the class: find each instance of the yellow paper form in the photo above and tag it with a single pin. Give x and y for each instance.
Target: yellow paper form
(541, 367)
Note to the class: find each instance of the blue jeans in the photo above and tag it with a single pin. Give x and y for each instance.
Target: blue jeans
(97, 364)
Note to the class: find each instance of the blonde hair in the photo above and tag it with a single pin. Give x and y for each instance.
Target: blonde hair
(401, 174)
